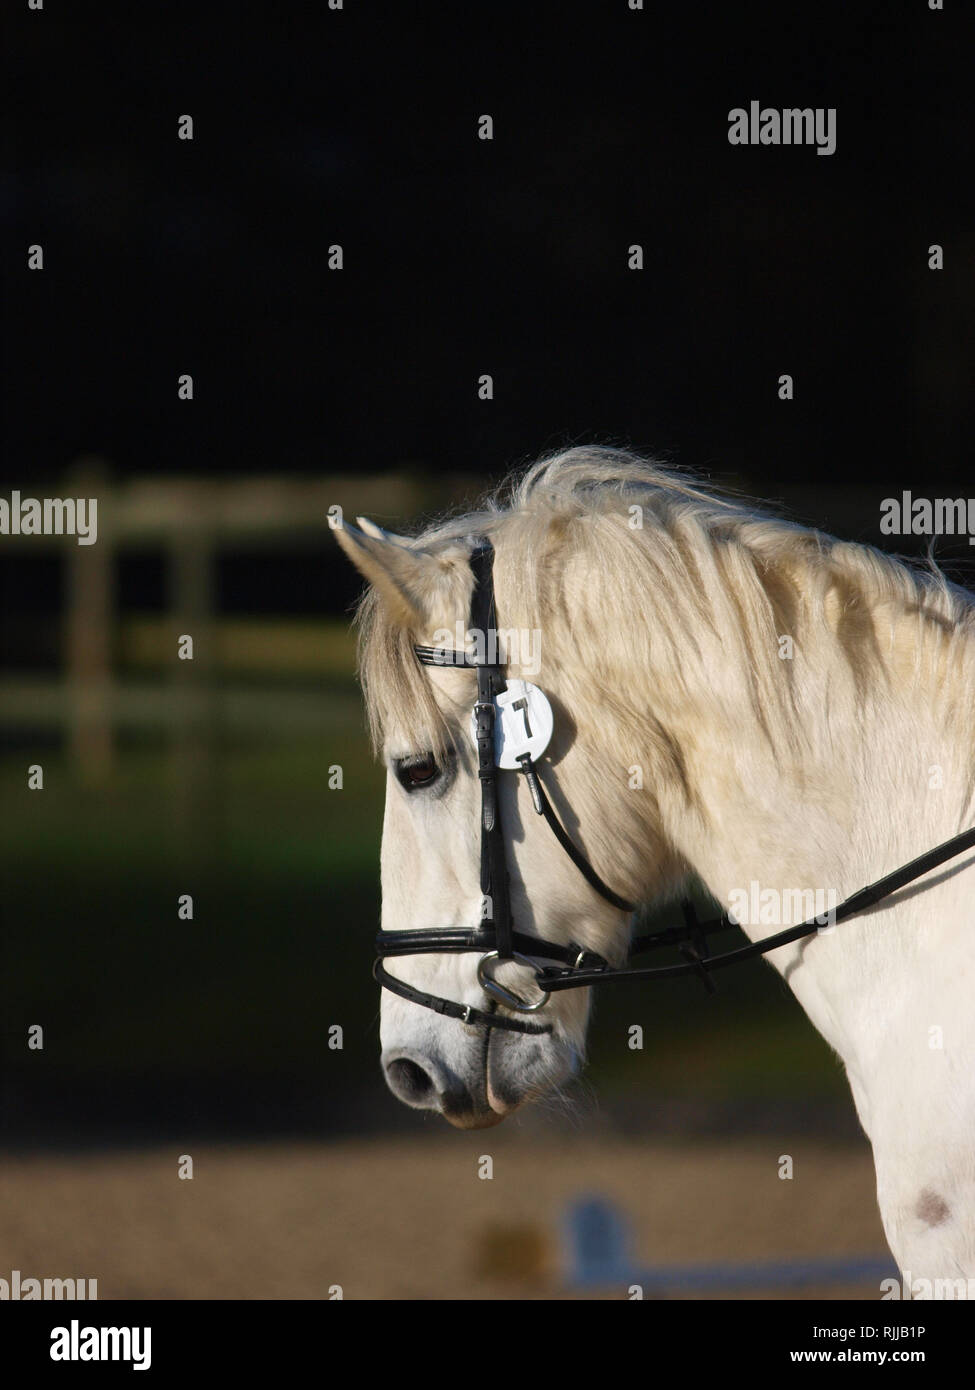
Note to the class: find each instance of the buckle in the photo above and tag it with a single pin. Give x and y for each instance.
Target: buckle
(696, 951)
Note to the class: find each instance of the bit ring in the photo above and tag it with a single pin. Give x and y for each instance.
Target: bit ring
(507, 996)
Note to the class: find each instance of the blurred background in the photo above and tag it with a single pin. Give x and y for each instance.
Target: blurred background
(358, 388)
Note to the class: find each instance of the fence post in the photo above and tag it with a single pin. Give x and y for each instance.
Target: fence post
(89, 598)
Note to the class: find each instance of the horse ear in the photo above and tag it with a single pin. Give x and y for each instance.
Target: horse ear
(419, 588)
(378, 534)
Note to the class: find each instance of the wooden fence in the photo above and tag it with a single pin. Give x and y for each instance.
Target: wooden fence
(190, 520)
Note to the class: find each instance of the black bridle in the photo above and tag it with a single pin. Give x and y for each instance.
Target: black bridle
(573, 967)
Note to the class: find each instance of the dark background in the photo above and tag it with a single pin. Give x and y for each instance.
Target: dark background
(358, 126)
(461, 257)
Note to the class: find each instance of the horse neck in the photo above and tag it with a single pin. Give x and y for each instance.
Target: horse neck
(884, 776)
(887, 794)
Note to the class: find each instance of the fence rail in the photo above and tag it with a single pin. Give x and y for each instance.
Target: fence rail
(192, 520)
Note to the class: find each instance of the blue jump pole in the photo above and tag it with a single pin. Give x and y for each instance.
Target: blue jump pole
(598, 1240)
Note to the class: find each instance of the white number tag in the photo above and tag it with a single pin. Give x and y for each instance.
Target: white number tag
(523, 724)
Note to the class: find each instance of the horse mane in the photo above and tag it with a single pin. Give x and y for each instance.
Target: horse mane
(641, 578)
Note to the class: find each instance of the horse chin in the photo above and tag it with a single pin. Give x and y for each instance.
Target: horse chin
(497, 1100)
(474, 1119)
(521, 1071)
(503, 1104)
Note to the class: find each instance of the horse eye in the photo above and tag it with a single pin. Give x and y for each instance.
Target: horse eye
(417, 772)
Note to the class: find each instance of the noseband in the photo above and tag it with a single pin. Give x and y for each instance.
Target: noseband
(507, 743)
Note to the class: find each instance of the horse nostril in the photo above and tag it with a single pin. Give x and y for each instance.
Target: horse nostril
(407, 1080)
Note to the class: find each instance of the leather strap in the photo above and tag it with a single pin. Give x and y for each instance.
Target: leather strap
(426, 941)
(860, 901)
(465, 1012)
(544, 808)
(495, 887)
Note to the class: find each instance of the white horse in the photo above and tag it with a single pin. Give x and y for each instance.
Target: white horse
(737, 697)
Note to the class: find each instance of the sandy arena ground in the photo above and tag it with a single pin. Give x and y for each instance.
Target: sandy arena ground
(411, 1219)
